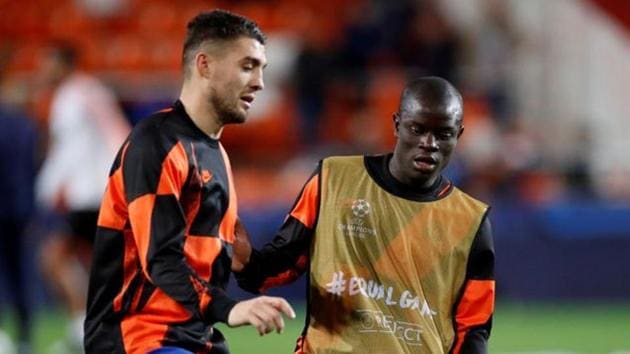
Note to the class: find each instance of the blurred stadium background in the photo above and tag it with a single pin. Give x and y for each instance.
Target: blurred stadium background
(546, 85)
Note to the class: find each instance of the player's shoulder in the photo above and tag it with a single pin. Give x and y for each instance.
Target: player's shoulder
(155, 125)
(343, 160)
(468, 199)
(155, 133)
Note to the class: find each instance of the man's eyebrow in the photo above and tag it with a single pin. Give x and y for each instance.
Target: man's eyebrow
(255, 61)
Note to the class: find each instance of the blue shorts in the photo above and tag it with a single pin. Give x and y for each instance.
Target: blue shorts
(170, 350)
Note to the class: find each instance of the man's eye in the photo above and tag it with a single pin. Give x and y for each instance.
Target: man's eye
(248, 67)
(414, 129)
(445, 135)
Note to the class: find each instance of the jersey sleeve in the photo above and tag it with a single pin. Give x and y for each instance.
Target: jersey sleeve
(473, 314)
(286, 257)
(154, 172)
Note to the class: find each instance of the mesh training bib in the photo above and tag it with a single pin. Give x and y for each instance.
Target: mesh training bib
(385, 271)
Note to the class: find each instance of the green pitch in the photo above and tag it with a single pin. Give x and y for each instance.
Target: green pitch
(589, 328)
(518, 328)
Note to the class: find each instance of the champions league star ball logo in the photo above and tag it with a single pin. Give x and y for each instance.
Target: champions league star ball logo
(356, 224)
(360, 208)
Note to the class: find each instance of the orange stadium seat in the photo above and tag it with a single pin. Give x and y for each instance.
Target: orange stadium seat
(67, 21)
(384, 96)
(25, 56)
(125, 52)
(157, 18)
(165, 54)
(276, 132)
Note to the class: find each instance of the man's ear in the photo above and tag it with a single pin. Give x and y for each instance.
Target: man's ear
(203, 65)
(396, 120)
(461, 131)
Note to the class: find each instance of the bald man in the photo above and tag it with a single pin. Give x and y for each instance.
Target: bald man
(399, 260)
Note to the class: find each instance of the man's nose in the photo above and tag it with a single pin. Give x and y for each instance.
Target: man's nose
(257, 82)
(428, 141)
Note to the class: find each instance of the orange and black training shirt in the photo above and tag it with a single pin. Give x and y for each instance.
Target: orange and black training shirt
(162, 251)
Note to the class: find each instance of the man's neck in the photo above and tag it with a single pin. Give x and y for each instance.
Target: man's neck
(200, 112)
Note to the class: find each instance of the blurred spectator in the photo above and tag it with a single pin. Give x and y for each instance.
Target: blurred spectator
(429, 46)
(311, 80)
(577, 173)
(492, 55)
(362, 38)
(86, 128)
(17, 178)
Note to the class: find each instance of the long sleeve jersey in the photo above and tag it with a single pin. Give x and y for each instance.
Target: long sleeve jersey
(390, 269)
(162, 251)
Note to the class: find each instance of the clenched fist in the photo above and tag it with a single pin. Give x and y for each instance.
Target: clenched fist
(264, 313)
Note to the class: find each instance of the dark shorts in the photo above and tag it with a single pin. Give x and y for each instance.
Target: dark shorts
(82, 224)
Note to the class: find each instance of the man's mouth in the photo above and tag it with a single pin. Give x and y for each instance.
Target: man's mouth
(425, 162)
(247, 100)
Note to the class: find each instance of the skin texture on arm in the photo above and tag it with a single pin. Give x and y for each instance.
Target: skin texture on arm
(263, 312)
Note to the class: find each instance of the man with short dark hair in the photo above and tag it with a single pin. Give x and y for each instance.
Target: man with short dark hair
(166, 226)
(398, 259)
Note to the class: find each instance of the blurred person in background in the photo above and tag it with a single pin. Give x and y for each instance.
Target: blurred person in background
(86, 126)
(492, 51)
(163, 248)
(18, 140)
(429, 45)
(399, 260)
(311, 80)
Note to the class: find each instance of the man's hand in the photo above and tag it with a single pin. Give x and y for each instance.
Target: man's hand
(264, 313)
(242, 248)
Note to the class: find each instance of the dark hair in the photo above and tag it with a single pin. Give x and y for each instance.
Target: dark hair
(218, 25)
(65, 51)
